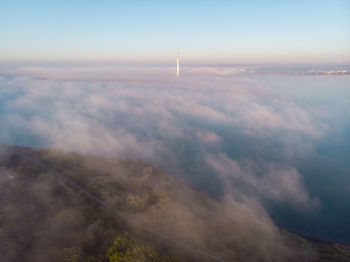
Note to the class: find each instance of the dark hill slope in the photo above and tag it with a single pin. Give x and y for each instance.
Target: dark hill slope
(57, 206)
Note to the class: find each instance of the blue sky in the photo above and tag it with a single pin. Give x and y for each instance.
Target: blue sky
(208, 31)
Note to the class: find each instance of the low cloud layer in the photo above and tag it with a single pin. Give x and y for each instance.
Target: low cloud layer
(265, 180)
(233, 136)
(163, 120)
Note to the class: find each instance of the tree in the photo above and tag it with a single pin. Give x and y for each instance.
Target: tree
(125, 249)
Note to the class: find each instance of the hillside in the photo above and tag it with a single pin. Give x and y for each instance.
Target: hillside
(57, 206)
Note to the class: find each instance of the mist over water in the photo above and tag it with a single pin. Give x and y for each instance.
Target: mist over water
(280, 140)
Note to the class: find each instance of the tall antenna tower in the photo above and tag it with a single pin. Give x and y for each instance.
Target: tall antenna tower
(177, 63)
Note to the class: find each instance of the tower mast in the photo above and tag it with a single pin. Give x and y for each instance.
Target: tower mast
(178, 63)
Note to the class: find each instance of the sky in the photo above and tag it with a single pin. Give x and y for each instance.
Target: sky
(206, 31)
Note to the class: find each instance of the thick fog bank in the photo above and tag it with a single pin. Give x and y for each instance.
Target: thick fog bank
(280, 142)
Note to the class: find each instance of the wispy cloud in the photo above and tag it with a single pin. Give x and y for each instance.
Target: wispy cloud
(280, 183)
(234, 135)
(154, 120)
